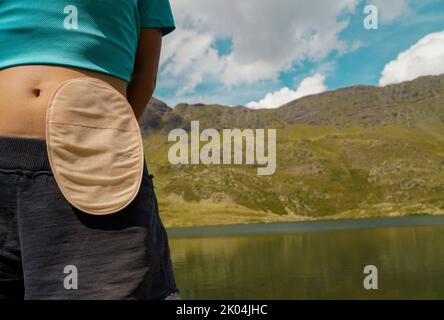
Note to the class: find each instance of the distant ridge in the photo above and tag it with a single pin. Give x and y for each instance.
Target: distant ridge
(406, 104)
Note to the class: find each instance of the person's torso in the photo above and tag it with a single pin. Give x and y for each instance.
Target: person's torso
(45, 42)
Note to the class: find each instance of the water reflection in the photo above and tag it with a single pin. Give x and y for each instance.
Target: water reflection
(317, 265)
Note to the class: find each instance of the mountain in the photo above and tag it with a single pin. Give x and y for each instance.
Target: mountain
(404, 104)
(367, 106)
(356, 152)
(151, 120)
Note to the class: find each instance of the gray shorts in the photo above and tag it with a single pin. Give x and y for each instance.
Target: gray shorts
(51, 250)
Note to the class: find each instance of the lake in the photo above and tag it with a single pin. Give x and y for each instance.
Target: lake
(311, 260)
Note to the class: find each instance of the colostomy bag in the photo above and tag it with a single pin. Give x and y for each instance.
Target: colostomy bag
(94, 146)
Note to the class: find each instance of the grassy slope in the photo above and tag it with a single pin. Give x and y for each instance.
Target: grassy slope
(323, 172)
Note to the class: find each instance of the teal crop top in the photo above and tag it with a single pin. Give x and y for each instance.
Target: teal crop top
(98, 35)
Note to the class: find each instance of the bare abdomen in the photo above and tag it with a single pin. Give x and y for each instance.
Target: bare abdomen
(25, 92)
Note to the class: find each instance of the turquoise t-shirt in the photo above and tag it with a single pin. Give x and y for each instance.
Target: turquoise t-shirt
(99, 35)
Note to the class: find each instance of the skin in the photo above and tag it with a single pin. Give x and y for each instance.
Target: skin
(25, 90)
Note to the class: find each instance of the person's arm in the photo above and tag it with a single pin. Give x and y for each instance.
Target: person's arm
(143, 82)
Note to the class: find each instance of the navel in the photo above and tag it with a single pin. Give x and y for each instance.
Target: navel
(36, 92)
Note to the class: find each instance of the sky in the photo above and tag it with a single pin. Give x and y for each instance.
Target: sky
(262, 53)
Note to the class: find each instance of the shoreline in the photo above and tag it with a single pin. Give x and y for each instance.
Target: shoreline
(304, 226)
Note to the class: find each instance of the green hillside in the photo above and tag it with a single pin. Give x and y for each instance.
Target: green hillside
(351, 153)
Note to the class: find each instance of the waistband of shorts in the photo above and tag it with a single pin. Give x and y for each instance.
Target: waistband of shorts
(23, 154)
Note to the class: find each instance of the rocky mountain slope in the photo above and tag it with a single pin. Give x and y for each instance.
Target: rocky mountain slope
(355, 152)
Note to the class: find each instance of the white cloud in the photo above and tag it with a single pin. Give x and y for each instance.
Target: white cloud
(267, 37)
(426, 57)
(390, 10)
(311, 85)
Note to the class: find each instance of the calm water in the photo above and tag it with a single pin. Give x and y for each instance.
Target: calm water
(320, 260)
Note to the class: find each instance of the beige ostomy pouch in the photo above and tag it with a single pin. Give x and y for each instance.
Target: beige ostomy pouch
(94, 146)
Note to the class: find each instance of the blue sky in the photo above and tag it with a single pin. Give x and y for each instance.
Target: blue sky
(220, 54)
